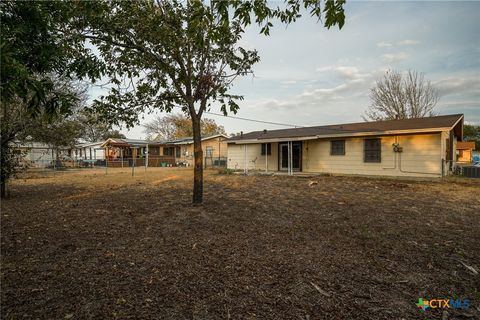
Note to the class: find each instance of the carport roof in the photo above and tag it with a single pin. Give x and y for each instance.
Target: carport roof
(428, 124)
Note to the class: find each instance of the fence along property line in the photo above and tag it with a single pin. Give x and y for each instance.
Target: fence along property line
(54, 167)
(76, 165)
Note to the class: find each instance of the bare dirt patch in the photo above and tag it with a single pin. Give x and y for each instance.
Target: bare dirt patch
(86, 245)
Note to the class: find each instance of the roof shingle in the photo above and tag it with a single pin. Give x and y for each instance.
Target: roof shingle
(354, 128)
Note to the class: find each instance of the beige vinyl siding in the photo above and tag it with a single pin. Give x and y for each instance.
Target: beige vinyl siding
(216, 145)
(421, 156)
(255, 160)
(445, 135)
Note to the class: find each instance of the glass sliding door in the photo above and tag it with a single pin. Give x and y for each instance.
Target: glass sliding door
(296, 156)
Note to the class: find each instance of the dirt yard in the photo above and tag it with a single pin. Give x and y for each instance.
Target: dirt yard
(94, 246)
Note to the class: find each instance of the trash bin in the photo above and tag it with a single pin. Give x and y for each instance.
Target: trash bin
(164, 164)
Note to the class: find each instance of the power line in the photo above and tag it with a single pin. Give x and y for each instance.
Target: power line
(327, 127)
(254, 120)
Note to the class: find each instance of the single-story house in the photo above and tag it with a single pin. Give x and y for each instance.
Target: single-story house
(171, 152)
(465, 151)
(423, 147)
(126, 152)
(39, 154)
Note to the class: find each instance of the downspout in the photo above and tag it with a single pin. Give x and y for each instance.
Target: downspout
(291, 158)
(451, 150)
(288, 157)
(245, 163)
(266, 158)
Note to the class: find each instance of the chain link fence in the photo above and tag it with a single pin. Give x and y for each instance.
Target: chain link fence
(215, 162)
(42, 166)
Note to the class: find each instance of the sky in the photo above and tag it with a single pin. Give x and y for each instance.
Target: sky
(309, 75)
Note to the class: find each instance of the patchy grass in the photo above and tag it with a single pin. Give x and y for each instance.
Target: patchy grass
(90, 245)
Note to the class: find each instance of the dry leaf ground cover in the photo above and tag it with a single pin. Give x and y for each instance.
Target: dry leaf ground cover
(93, 246)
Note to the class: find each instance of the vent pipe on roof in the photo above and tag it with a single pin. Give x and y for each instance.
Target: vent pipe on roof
(264, 131)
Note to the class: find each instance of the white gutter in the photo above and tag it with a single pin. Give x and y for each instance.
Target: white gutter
(271, 140)
(384, 133)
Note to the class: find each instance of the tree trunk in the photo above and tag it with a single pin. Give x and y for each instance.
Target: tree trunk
(198, 162)
(3, 186)
(3, 174)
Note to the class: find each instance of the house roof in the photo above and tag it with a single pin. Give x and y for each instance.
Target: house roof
(429, 124)
(88, 144)
(189, 140)
(117, 142)
(466, 145)
(137, 142)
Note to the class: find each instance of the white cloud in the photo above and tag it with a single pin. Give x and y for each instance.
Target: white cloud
(353, 84)
(384, 44)
(346, 72)
(462, 85)
(407, 42)
(394, 57)
(286, 82)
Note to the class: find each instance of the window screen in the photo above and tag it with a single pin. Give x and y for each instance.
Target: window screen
(268, 146)
(372, 150)
(337, 147)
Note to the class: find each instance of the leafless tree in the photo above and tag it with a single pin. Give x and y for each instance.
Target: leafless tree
(398, 96)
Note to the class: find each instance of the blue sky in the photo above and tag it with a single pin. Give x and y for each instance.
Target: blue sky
(309, 75)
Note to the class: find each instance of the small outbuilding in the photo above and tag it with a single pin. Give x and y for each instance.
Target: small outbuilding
(465, 151)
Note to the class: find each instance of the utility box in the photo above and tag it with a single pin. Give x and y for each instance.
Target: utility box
(471, 172)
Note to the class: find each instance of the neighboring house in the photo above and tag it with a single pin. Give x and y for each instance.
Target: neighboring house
(88, 151)
(465, 151)
(423, 147)
(172, 152)
(38, 154)
(214, 150)
(125, 152)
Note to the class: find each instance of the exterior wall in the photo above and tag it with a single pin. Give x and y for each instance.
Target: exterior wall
(255, 160)
(421, 156)
(218, 145)
(445, 136)
(36, 152)
(186, 154)
(40, 154)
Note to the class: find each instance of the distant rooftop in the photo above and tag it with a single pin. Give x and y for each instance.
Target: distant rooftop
(138, 142)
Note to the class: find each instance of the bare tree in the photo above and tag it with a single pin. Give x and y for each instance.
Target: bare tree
(398, 96)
